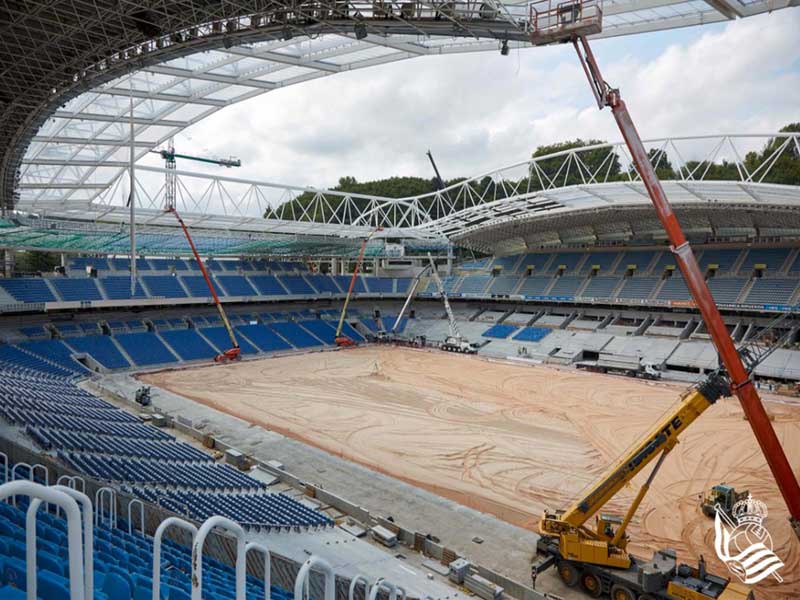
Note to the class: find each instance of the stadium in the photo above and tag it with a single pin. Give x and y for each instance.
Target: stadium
(220, 387)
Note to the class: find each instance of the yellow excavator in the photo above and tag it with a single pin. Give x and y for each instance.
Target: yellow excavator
(597, 557)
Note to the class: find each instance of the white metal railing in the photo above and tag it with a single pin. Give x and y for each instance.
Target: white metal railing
(60, 498)
(301, 583)
(197, 555)
(267, 565)
(162, 528)
(100, 515)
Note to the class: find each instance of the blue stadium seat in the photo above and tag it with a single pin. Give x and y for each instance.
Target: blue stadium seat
(198, 288)
(263, 337)
(296, 285)
(102, 349)
(28, 289)
(145, 348)
(600, 287)
(344, 283)
(218, 336)
(236, 285)
(188, 344)
(380, 285)
(322, 330)
(532, 334)
(324, 284)
(294, 334)
(500, 331)
(78, 288)
(163, 286)
(267, 285)
(118, 287)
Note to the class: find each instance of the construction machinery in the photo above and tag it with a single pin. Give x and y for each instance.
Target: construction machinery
(344, 341)
(234, 351)
(561, 22)
(454, 342)
(721, 497)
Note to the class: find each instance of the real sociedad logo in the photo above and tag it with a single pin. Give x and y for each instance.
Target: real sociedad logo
(746, 546)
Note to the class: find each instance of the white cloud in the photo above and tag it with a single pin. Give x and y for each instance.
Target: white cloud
(481, 111)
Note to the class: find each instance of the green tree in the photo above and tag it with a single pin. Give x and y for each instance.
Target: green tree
(786, 168)
(36, 262)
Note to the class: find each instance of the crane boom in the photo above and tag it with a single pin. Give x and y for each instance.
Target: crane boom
(343, 340)
(454, 331)
(411, 293)
(234, 351)
(741, 383)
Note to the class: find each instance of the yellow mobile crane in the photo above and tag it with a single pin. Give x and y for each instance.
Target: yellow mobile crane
(597, 556)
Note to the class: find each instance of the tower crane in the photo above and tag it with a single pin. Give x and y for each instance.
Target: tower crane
(169, 155)
(342, 340)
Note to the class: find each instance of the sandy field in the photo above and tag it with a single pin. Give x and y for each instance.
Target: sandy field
(507, 439)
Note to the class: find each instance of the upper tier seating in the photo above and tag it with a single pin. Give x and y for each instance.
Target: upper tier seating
(145, 348)
(165, 286)
(506, 263)
(380, 285)
(534, 286)
(344, 283)
(773, 258)
(500, 330)
(294, 334)
(772, 291)
(639, 258)
(124, 264)
(198, 288)
(167, 264)
(474, 284)
(235, 285)
(638, 288)
(536, 261)
(323, 283)
(403, 285)
(724, 257)
(79, 263)
(568, 260)
(119, 288)
(102, 349)
(566, 286)
(268, 285)
(600, 287)
(727, 289)
(674, 288)
(296, 285)
(504, 285)
(603, 260)
(75, 289)
(263, 337)
(188, 344)
(28, 289)
(479, 264)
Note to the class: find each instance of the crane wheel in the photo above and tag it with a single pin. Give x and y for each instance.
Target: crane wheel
(591, 583)
(619, 592)
(569, 573)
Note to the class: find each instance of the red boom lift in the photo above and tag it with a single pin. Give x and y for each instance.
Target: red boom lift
(553, 22)
(342, 340)
(234, 351)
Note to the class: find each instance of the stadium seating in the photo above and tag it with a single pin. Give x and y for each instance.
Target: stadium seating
(536, 261)
(568, 260)
(268, 285)
(323, 283)
(600, 287)
(124, 264)
(218, 336)
(320, 329)
(102, 349)
(566, 286)
(674, 288)
(724, 258)
(118, 287)
(534, 286)
(16, 356)
(164, 286)
(387, 321)
(235, 285)
(198, 288)
(76, 289)
(294, 334)
(726, 289)
(264, 338)
(638, 288)
(380, 285)
(506, 263)
(188, 344)
(773, 258)
(503, 285)
(641, 259)
(54, 351)
(476, 265)
(28, 289)
(603, 260)
(531, 334)
(500, 331)
(772, 291)
(80, 263)
(474, 284)
(344, 283)
(296, 285)
(166, 264)
(145, 349)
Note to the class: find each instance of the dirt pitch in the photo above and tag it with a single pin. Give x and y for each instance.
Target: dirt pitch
(507, 439)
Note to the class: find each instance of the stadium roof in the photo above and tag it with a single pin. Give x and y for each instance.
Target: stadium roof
(68, 66)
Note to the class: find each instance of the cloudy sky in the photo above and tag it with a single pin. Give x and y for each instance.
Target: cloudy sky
(481, 111)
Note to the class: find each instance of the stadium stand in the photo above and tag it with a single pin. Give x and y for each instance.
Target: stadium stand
(268, 285)
(779, 290)
(674, 288)
(380, 285)
(600, 287)
(264, 338)
(294, 334)
(188, 344)
(323, 284)
(726, 289)
(344, 283)
(566, 286)
(198, 288)
(638, 288)
(772, 258)
(536, 262)
(119, 288)
(164, 286)
(534, 286)
(507, 264)
(474, 284)
(145, 349)
(532, 334)
(54, 351)
(124, 264)
(723, 258)
(76, 289)
(218, 336)
(102, 349)
(602, 260)
(81, 262)
(235, 285)
(641, 259)
(499, 330)
(296, 285)
(503, 285)
(320, 329)
(27, 289)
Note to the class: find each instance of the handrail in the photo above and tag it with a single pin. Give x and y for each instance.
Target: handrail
(197, 555)
(267, 566)
(88, 536)
(388, 585)
(111, 494)
(162, 527)
(303, 577)
(14, 477)
(351, 592)
(141, 515)
(70, 506)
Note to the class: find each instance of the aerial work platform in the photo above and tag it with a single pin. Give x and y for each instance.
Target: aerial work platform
(554, 22)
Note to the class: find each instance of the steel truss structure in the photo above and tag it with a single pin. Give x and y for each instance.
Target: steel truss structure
(721, 186)
(70, 65)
